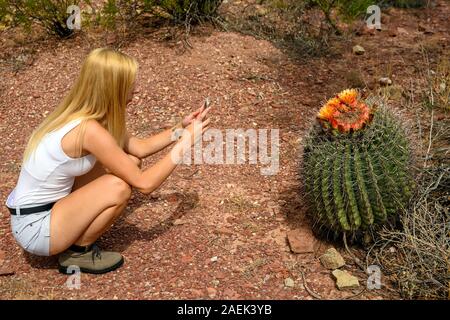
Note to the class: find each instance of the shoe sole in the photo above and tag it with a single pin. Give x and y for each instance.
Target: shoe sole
(63, 269)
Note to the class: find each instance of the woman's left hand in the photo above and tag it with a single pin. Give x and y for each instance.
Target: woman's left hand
(188, 119)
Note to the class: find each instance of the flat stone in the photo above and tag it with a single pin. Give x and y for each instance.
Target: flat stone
(179, 222)
(332, 259)
(211, 292)
(403, 31)
(345, 280)
(288, 282)
(6, 271)
(301, 241)
(385, 81)
(358, 50)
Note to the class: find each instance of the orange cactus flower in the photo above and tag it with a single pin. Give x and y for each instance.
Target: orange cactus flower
(345, 112)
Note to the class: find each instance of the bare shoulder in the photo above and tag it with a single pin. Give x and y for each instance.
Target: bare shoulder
(96, 134)
(93, 124)
(94, 128)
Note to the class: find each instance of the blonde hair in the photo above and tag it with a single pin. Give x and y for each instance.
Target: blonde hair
(99, 93)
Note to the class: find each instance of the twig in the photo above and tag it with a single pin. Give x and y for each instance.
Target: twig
(356, 294)
(190, 175)
(357, 260)
(310, 291)
(430, 139)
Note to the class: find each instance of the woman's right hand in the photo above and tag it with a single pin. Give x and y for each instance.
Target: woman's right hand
(194, 131)
(191, 134)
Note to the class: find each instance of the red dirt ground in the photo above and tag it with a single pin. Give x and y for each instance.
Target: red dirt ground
(231, 212)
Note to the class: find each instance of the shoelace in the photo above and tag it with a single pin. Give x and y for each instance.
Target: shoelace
(96, 252)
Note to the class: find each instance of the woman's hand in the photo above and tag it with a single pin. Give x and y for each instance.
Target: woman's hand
(194, 115)
(191, 134)
(194, 131)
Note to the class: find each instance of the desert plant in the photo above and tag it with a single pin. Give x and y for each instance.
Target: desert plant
(416, 256)
(124, 12)
(409, 3)
(347, 9)
(355, 166)
(51, 14)
(192, 10)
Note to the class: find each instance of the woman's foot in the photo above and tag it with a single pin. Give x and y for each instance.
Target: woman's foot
(90, 259)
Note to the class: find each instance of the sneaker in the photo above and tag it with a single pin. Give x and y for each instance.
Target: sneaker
(90, 259)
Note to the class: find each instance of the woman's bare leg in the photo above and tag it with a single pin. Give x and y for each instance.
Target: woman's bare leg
(73, 215)
(97, 199)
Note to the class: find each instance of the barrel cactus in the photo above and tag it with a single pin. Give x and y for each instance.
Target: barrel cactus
(356, 166)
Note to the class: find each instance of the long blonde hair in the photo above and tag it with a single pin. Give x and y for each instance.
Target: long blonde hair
(99, 93)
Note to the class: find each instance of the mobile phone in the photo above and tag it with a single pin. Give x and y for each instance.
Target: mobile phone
(207, 102)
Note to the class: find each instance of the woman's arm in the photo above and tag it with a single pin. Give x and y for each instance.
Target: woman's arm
(142, 148)
(101, 144)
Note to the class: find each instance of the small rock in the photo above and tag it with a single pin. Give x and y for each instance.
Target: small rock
(425, 29)
(215, 282)
(288, 282)
(331, 259)
(211, 292)
(214, 259)
(301, 241)
(6, 271)
(260, 10)
(358, 50)
(178, 222)
(385, 81)
(345, 280)
(403, 31)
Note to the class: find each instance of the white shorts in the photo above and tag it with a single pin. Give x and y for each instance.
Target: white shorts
(32, 231)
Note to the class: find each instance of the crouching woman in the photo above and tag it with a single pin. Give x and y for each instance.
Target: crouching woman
(81, 163)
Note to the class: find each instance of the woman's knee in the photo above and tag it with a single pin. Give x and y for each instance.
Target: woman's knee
(120, 189)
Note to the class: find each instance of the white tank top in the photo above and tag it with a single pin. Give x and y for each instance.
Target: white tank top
(48, 175)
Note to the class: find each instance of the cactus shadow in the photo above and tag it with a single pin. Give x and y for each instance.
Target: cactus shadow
(294, 209)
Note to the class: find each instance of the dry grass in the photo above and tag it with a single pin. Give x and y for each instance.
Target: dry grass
(416, 256)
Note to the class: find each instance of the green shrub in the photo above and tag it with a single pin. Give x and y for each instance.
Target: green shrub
(352, 10)
(51, 14)
(359, 178)
(193, 10)
(409, 3)
(119, 12)
(3, 10)
(126, 12)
